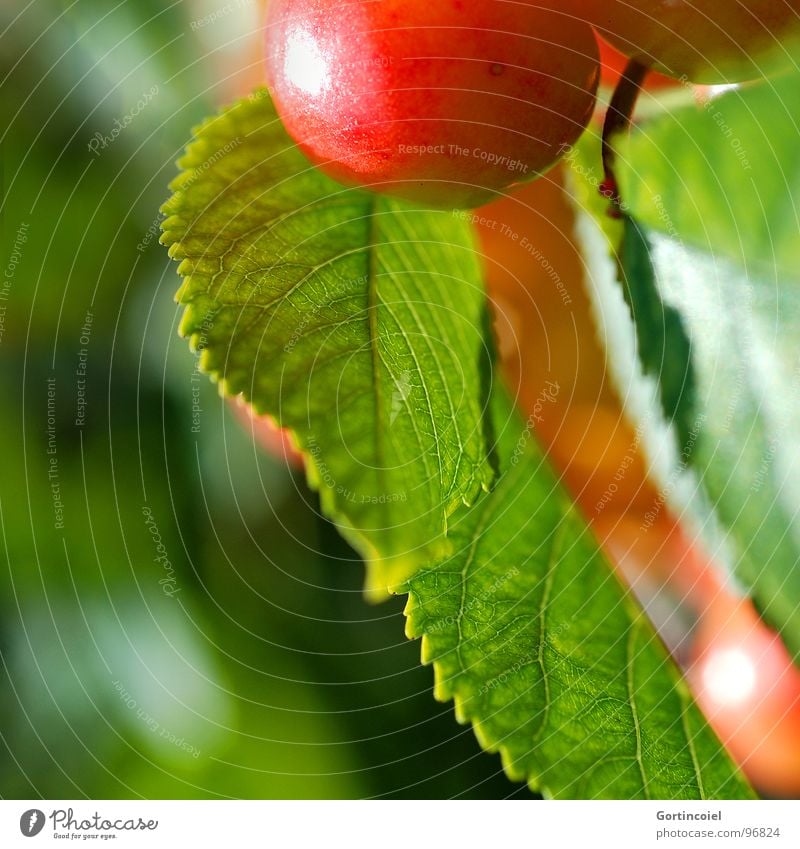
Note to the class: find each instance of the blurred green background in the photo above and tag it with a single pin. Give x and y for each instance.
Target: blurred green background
(244, 662)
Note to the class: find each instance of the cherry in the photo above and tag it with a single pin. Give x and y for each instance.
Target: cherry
(536, 280)
(703, 41)
(612, 66)
(447, 102)
(274, 439)
(745, 682)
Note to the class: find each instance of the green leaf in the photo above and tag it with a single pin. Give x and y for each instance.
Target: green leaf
(723, 175)
(355, 320)
(744, 334)
(359, 322)
(664, 347)
(731, 470)
(533, 636)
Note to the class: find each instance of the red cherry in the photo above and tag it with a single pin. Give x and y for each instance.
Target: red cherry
(613, 62)
(274, 439)
(744, 680)
(705, 41)
(547, 336)
(446, 102)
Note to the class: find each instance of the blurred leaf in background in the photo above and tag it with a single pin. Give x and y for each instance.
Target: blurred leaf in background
(176, 619)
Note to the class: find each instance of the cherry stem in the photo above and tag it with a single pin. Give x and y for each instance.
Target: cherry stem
(619, 116)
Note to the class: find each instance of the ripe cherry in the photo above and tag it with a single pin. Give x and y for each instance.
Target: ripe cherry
(446, 102)
(537, 284)
(744, 680)
(274, 439)
(612, 65)
(705, 41)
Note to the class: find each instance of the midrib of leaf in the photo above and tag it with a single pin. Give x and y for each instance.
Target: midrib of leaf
(372, 314)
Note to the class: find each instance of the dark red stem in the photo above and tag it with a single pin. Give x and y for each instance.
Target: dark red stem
(618, 117)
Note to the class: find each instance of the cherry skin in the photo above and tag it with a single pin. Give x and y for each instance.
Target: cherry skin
(536, 280)
(445, 102)
(612, 66)
(703, 41)
(274, 439)
(745, 682)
